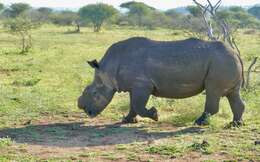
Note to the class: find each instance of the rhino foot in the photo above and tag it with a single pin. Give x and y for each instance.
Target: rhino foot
(127, 120)
(154, 116)
(235, 124)
(203, 120)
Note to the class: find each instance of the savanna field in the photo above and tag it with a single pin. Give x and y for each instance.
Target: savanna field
(40, 121)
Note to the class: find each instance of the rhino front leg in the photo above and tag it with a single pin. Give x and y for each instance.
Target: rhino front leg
(139, 97)
(131, 117)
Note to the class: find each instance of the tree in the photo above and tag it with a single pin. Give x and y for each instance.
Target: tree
(64, 17)
(176, 19)
(22, 26)
(237, 9)
(97, 14)
(193, 27)
(238, 17)
(172, 13)
(131, 4)
(1, 7)
(45, 10)
(193, 23)
(255, 11)
(156, 19)
(45, 13)
(138, 10)
(194, 11)
(16, 9)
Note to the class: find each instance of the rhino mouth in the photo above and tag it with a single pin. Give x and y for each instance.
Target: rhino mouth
(91, 114)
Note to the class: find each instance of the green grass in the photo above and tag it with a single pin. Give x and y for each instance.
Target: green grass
(170, 150)
(201, 147)
(42, 87)
(5, 142)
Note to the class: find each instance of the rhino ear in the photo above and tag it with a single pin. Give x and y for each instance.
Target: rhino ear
(94, 64)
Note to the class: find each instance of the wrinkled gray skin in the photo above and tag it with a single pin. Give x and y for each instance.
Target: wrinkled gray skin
(176, 69)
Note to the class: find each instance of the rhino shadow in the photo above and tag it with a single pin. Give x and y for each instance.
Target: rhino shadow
(79, 135)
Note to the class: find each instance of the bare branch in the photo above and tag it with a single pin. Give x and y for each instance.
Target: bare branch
(212, 10)
(217, 5)
(205, 9)
(249, 71)
(210, 4)
(235, 44)
(198, 4)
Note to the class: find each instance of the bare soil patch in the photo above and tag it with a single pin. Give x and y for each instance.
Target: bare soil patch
(52, 138)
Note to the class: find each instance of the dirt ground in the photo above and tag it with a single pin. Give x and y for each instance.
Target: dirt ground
(98, 140)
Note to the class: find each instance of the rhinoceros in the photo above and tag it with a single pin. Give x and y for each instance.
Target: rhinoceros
(168, 69)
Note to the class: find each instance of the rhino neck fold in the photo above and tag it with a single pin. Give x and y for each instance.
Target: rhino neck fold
(108, 80)
(109, 75)
(110, 66)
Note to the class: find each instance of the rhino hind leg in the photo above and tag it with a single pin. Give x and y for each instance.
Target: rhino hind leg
(139, 97)
(211, 107)
(237, 107)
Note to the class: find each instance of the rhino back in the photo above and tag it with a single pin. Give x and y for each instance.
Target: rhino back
(176, 68)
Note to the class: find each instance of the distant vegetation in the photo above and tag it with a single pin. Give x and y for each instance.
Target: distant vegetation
(138, 14)
(20, 19)
(255, 11)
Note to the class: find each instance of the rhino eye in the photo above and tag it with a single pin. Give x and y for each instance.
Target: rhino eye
(94, 92)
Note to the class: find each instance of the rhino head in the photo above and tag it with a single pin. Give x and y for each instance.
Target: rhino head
(97, 95)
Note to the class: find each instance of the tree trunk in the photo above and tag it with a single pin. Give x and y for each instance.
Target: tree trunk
(98, 27)
(23, 43)
(95, 28)
(139, 20)
(29, 41)
(77, 28)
